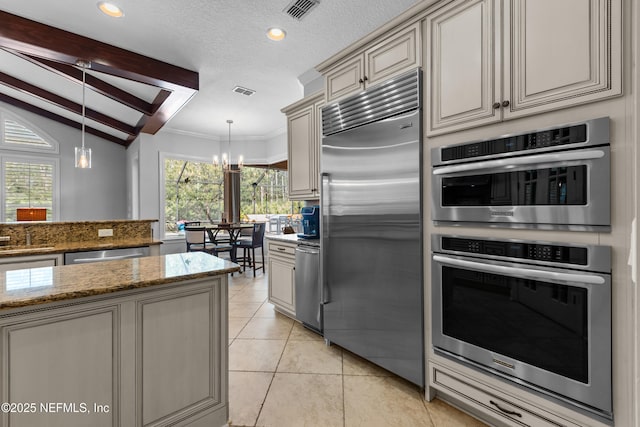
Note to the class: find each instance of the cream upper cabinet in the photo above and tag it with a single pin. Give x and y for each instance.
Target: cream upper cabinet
(304, 130)
(493, 60)
(396, 53)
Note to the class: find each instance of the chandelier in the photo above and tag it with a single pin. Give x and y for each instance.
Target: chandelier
(227, 166)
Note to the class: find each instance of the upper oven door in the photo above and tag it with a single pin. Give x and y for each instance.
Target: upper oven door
(545, 327)
(543, 190)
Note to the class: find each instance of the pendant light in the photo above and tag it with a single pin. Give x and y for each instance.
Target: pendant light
(226, 157)
(83, 155)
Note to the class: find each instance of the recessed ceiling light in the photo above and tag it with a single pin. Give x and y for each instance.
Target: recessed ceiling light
(110, 9)
(276, 34)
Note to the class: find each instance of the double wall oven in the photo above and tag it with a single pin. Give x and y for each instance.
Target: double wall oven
(536, 313)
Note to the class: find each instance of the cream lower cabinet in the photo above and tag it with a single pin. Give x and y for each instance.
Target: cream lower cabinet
(282, 276)
(32, 261)
(395, 53)
(148, 357)
(493, 60)
(304, 135)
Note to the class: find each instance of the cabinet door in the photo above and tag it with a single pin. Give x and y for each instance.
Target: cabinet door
(301, 154)
(463, 66)
(562, 53)
(317, 108)
(33, 261)
(394, 55)
(281, 284)
(345, 79)
(69, 357)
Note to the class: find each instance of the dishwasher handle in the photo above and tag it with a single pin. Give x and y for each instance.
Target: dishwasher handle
(109, 258)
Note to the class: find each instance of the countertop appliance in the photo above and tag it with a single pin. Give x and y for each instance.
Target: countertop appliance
(105, 255)
(371, 233)
(308, 285)
(535, 313)
(310, 222)
(554, 178)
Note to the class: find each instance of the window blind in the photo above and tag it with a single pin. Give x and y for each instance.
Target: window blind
(15, 133)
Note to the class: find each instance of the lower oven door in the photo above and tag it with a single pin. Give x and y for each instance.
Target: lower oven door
(566, 188)
(545, 328)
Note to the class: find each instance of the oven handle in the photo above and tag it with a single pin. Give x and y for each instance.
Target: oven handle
(528, 273)
(509, 163)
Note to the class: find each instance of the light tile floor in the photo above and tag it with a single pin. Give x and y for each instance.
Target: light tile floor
(281, 374)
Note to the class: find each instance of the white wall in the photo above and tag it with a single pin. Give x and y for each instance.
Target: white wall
(92, 194)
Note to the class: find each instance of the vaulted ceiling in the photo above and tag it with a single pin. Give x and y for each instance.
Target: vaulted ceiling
(171, 65)
(136, 93)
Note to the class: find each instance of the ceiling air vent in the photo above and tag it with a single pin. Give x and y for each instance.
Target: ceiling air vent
(298, 9)
(243, 90)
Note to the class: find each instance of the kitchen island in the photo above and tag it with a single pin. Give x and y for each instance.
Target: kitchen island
(139, 341)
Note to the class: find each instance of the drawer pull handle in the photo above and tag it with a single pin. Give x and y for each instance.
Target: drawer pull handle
(506, 411)
(282, 249)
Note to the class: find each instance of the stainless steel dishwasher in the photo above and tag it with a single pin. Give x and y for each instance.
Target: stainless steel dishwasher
(308, 285)
(105, 255)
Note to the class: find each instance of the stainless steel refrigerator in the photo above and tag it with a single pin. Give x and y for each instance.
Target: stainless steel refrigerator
(371, 232)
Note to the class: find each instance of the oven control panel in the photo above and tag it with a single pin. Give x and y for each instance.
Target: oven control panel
(528, 251)
(528, 141)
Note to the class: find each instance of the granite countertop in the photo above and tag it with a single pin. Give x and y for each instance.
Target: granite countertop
(293, 238)
(32, 286)
(91, 245)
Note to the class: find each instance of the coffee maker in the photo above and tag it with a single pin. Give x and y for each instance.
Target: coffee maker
(310, 222)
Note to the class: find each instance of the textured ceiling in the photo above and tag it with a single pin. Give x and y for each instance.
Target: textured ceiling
(224, 41)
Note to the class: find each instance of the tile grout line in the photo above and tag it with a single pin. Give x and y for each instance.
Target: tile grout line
(273, 376)
(344, 412)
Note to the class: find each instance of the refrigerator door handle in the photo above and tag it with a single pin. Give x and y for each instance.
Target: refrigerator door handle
(324, 235)
(324, 204)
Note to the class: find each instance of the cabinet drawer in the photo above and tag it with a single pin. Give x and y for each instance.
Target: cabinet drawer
(279, 249)
(507, 412)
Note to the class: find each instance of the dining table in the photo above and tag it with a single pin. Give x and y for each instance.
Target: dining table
(233, 229)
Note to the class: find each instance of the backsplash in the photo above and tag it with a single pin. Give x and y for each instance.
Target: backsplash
(49, 233)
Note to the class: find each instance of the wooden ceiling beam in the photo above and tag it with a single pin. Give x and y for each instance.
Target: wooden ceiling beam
(97, 85)
(60, 119)
(66, 104)
(42, 41)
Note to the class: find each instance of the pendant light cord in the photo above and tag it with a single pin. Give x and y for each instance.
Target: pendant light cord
(84, 70)
(229, 143)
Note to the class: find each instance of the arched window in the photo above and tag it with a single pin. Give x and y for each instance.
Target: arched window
(19, 135)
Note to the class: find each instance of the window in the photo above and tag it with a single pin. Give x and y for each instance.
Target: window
(265, 191)
(28, 183)
(193, 191)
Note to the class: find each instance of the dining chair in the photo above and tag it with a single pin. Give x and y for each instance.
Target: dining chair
(196, 240)
(249, 248)
(220, 243)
